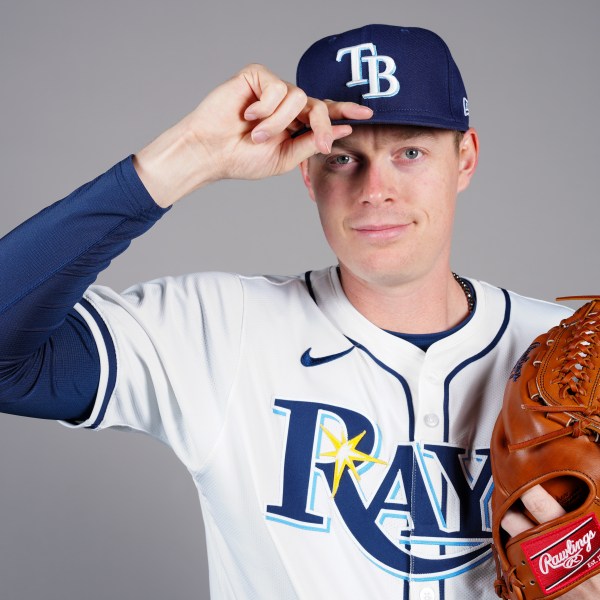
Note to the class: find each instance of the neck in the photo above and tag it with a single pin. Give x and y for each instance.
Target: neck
(428, 304)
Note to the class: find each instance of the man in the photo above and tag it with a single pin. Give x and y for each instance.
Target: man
(337, 423)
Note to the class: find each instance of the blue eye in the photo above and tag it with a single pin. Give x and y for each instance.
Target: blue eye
(343, 159)
(340, 160)
(412, 153)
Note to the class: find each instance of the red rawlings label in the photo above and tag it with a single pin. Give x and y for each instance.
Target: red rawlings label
(564, 555)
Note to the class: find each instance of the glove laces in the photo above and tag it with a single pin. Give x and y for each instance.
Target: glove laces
(572, 380)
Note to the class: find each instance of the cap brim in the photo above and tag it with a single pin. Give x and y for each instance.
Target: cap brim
(377, 120)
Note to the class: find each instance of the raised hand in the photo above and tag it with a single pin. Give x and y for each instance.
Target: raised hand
(242, 130)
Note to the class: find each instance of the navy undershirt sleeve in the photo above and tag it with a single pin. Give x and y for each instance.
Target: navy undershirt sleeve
(49, 364)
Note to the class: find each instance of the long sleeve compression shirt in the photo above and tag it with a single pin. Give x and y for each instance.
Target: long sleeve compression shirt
(49, 365)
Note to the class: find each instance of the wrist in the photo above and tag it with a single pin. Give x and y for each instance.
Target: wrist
(171, 167)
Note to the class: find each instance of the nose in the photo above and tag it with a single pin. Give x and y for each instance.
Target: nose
(376, 185)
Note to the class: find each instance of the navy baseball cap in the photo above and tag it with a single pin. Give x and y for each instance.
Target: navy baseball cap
(406, 75)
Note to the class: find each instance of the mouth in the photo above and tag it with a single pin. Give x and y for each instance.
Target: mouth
(384, 231)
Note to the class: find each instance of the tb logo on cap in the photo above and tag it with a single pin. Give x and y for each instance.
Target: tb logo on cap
(374, 74)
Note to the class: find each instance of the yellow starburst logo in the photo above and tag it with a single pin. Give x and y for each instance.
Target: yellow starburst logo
(346, 454)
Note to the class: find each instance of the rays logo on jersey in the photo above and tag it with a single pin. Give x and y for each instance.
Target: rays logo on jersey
(421, 513)
(375, 75)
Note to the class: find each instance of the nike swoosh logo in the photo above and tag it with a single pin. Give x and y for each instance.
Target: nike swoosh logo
(311, 361)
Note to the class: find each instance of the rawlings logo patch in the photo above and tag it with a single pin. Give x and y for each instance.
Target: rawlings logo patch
(564, 555)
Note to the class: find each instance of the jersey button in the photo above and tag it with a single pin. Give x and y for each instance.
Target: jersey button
(431, 420)
(427, 594)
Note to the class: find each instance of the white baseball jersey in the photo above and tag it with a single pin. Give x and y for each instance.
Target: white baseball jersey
(332, 459)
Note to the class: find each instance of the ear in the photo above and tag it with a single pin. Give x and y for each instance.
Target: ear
(468, 157)
(304, 169)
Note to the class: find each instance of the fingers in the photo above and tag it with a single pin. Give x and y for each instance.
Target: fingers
(348, 110)
(276, 112)
(270, 92)
(539, 503)
(319, 114)
(280, 104)
(305, 146)
(320, 123)
(277, 106)
(293, 108)
(515, 522)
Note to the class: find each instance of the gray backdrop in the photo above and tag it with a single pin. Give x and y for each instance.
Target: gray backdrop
(84, 83)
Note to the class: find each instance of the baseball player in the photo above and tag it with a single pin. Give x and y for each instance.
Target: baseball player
(337, 422)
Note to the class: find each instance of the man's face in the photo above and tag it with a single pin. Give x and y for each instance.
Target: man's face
(386, 197)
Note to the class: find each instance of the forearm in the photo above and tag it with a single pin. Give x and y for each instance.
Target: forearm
(50, 259)
(47, 263)
(173, 165)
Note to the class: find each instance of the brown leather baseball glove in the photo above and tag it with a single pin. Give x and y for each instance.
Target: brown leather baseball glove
(547, 433)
